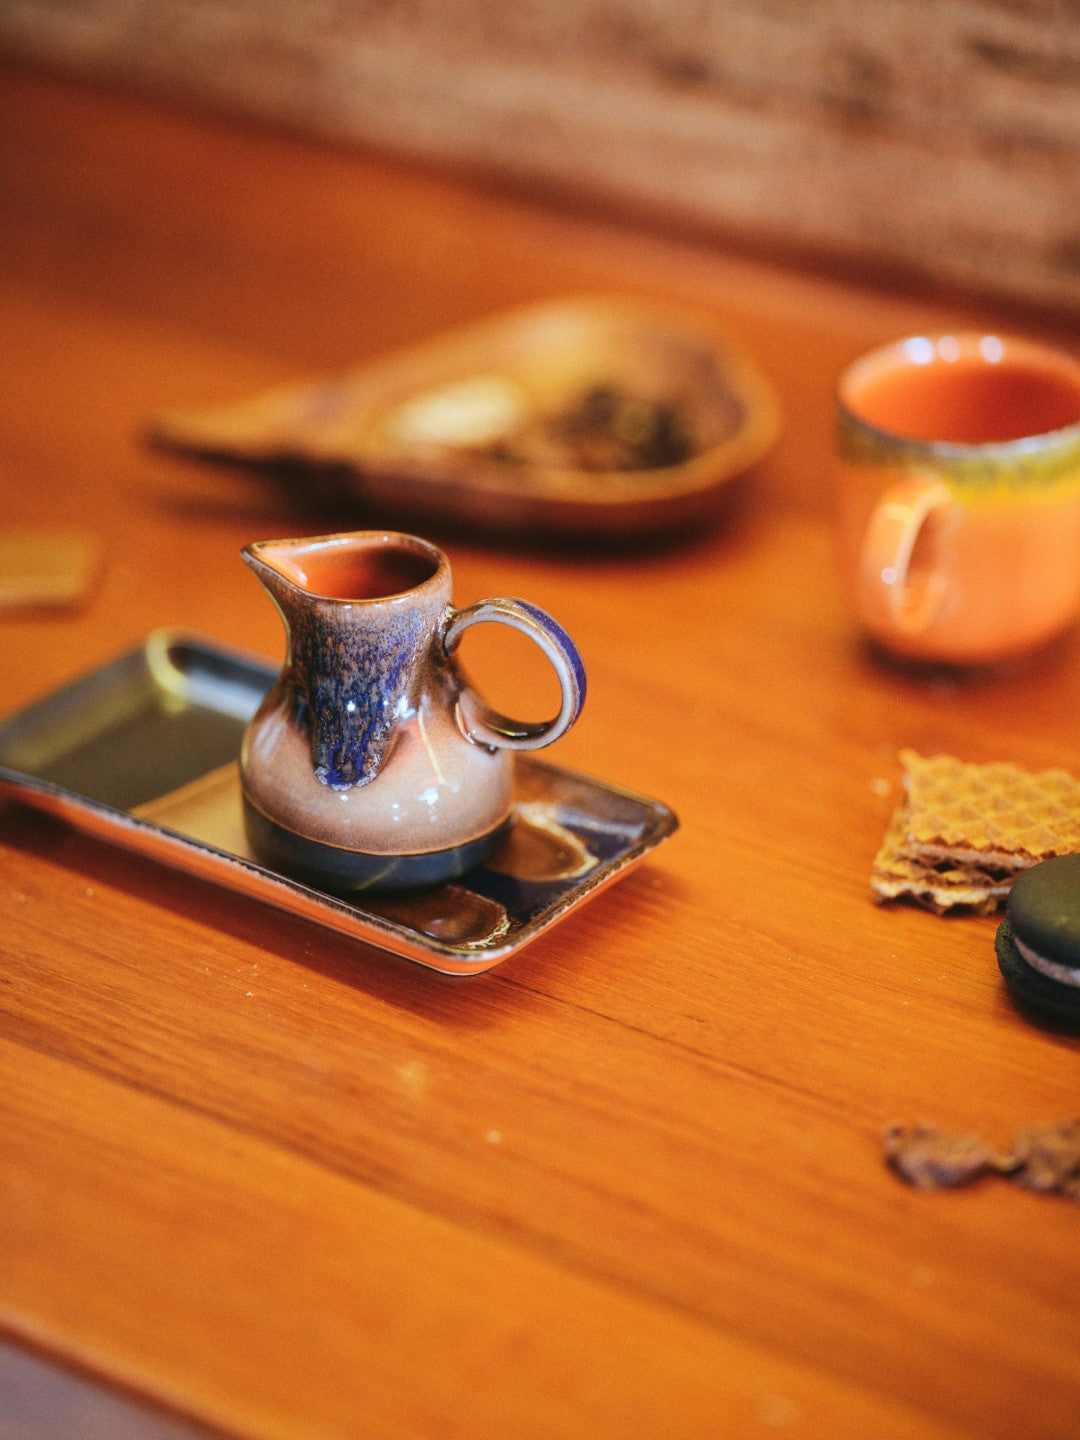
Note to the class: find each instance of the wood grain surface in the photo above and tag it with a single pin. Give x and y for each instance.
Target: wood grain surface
(631, 1182)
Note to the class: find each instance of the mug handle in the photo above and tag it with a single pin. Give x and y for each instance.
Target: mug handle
(889, 592)
(485, 725)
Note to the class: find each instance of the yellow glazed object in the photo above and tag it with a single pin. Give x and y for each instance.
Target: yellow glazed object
(959, 495)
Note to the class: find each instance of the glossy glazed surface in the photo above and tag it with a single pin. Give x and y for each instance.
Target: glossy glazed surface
(358, 746)
(965, 390)
(437, 789)
(371, 741)
(958, 479)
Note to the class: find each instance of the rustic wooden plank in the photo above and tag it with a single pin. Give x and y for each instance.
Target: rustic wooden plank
(943, 140)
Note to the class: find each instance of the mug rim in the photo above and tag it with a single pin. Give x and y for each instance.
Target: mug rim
(966, 341)
(368, 539)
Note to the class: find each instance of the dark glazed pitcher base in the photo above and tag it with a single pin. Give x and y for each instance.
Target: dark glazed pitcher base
(331, 868)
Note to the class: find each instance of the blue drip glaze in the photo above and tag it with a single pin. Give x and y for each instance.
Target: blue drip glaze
(359, 688)
(562, 639)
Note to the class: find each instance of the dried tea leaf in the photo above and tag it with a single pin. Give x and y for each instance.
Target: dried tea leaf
(1045, 1158)
(1048, 1157)
(932, 1160)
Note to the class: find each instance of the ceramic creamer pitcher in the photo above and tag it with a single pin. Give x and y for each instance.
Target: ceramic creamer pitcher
(371, 764)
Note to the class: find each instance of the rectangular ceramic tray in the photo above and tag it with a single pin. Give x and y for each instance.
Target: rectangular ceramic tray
(143, 753)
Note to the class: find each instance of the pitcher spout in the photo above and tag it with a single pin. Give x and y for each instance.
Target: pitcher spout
(360, 615)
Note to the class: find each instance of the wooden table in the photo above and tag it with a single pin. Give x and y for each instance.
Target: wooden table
(630, 1183)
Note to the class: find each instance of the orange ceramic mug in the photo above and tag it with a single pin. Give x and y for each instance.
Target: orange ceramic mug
(959, 495)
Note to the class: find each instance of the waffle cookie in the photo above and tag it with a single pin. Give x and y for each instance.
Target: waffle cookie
(996, 814)
(940, 885)
(964, 832)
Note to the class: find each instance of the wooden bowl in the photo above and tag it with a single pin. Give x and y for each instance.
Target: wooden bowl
(598, 417)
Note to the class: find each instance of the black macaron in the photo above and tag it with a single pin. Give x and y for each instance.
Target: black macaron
(1043, 914)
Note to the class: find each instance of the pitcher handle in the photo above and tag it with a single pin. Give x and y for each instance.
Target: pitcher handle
(485, 725)
(890, 594)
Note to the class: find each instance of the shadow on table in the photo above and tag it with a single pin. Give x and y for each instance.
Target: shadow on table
(456, 1001)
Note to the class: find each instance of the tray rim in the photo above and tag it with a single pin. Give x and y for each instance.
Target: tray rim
(207, 862)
